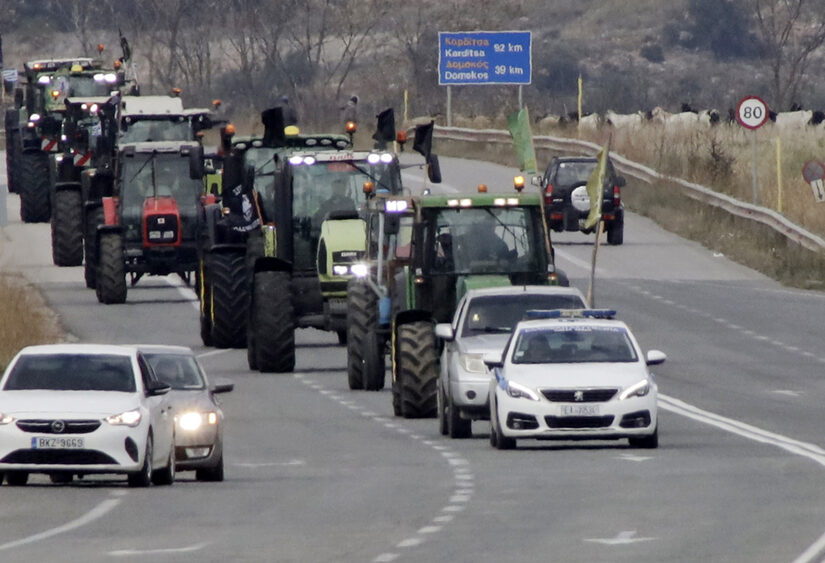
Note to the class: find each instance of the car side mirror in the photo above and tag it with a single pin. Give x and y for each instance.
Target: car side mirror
(655, 357)
(445, 331)
(620, 181)
(492, 360)
(222, 386)
(155, 388)
(536, 181)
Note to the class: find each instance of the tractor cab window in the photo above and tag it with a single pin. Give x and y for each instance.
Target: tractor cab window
(263, 160)
(486, 240)
(146, 175)
(146, 130)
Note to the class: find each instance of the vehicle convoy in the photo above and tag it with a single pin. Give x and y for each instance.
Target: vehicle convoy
(423, 254)
(33, 125)
(573, 375)
(281, 260)
(482, 324)
(71, 410)
(153, 222)
(567, 202)
(199, 418)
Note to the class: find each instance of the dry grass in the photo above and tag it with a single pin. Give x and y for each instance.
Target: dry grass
(26, 318)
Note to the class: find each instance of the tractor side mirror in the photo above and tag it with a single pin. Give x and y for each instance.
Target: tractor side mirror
(196, 163)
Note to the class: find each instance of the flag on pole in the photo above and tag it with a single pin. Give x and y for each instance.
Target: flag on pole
(519, 126)
(595, 188)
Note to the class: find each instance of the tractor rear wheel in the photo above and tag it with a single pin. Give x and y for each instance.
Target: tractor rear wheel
(94, 217)
(111, 272)
(417, 368)
(33, 187)
(226, 277)
(273, 323)
(67, 228)
(362, 316)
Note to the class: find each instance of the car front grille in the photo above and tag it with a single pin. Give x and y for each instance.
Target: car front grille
(587, 395)
(48, 427)
(59, 457)
(578, 421)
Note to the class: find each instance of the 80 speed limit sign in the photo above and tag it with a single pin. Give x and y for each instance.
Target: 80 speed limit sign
(752, 112)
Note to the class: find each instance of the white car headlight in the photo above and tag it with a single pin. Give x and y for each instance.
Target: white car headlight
(193, 420)
(639, 389)
(6, 418)
(128, 418)
(472, 363)
(520, 391)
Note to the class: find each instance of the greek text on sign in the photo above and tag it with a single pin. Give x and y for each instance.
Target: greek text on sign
(484, 57)
(752, 112)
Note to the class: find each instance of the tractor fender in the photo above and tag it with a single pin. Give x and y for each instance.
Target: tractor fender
(271, 264)
(110, 211)
(66, 186)
(411, 316)
(106, 229)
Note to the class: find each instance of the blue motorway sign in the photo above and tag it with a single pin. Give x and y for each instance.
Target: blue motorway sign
(484, 57)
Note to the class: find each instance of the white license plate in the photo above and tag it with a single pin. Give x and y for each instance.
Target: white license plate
(580, 410)
(44, 443)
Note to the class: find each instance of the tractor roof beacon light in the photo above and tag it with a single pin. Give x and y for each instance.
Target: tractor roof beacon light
(369, 188)
(351, 128)
(176, 92)
(482, 188)
(518, 183)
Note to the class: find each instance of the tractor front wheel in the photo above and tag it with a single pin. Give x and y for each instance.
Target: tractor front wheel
(67, 228)
(417, 370)
(111, 272)
(272, 322)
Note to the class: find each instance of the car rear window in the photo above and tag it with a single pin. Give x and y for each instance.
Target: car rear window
(573, 344)
(72, 372)
(500, 313)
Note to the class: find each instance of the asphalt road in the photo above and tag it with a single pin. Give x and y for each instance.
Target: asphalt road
(316, 472)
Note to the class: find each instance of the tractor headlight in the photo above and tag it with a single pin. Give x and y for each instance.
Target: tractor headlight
(360, 270)
(340, 270)
(43, 80)
(34, 117)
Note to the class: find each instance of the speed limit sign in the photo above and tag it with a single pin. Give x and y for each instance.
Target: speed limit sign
(752, 112)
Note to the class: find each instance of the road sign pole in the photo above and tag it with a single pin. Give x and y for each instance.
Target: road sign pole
(449, 106)
(520, 97)
(754, 170)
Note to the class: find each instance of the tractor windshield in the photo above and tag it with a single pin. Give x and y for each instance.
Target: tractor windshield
(59, 87)
(486, 240)
(149, 175)
(143, 130)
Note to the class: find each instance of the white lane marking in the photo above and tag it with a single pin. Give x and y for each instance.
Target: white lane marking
(804, 449)
(620, 539)
(97, 512)
(253, 465)
(429, 529)
(787, 392)
(632, 457)
(162, 551)
(410, 542)
(386, 558)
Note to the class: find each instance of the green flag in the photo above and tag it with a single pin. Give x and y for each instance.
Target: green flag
(595, 189)
(519, 126)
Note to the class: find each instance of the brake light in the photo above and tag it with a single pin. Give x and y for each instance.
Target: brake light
(617, 196)
(548, 194)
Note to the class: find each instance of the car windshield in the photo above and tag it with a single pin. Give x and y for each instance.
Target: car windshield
(144, 130)
(488, 240)
(178, 370)
(72, 372)
(573, 344)
(500, 313)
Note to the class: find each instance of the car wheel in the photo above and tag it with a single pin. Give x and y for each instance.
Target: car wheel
(442, 415)
(61, 478)
(211, 473)
(646, 442)
(502, 442)
(17, 478)
(457, 427)
(166, 476)
(143, 477)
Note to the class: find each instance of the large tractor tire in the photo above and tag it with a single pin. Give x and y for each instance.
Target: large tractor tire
(94, 217)
(417, 370)
(33, 187)
(111, 271)
(226, 276)
(13, 153)
(67, 228)
(273, 323)
(362, 318)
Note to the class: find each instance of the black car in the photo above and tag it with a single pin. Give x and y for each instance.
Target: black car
(567, 203)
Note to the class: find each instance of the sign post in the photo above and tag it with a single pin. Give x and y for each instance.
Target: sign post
(483, 57)
(752, 113)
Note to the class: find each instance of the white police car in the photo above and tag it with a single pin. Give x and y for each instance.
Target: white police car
(482, 324)
(573, 375)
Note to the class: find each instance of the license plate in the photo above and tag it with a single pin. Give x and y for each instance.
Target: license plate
(44, 443)
(580, 410)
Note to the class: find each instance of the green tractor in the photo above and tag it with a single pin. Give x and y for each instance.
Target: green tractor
(33, 126)
(423, 254)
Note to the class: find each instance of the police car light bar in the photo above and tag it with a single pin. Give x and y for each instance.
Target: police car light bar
(534, 314)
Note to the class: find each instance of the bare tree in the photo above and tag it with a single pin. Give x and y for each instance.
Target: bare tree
(84, 18)
(790, 30)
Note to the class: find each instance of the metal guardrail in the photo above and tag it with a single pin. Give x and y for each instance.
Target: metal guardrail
(762, 215)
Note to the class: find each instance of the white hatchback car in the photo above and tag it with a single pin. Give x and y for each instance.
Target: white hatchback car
(482, 324)
(576, 377)
(80, 409)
